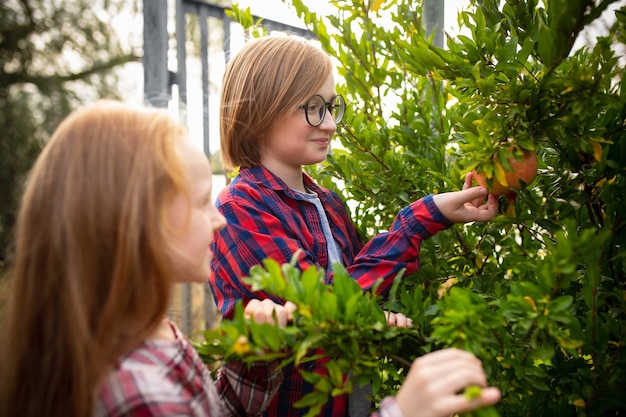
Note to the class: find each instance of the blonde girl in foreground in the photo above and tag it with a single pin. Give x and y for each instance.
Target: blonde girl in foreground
(117, 209)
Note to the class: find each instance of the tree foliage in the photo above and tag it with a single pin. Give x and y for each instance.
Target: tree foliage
(539, 293)
(54, 55)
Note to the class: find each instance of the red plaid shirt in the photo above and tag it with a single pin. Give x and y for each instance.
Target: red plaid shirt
(267, 219)
(168, 378)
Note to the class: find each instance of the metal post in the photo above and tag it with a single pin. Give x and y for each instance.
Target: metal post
(433, 19)
(156, 77)
(181, 81)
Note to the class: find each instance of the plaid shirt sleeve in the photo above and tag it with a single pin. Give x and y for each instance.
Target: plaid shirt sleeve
(385, 255)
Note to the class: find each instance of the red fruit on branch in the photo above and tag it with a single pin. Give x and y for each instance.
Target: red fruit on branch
(524, 170)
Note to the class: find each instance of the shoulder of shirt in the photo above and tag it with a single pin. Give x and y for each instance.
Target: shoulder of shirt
(252, 184)
(146, 375)
(241, 191)
(133, 387)
(148, 368)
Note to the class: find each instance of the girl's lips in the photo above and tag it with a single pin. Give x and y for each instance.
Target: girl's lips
(323, 141)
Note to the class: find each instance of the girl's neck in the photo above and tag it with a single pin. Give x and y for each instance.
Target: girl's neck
(164, 331)
(291, 175)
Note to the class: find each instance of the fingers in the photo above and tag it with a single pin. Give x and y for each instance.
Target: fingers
(468, 181)
(267, 311)
(483, 212)
(488, 210)
(472, 193)
(460, 403)
(444, 355)
(398, 319)
(436, 381)
(290, 307)
(467, 205)
(451, 376)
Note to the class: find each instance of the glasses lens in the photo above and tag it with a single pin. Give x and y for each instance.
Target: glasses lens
(339, 108)
(315, 110)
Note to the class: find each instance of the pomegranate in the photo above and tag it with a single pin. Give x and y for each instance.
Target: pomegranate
(522, 170)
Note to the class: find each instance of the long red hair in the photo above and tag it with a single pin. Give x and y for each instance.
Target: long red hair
(91, 277)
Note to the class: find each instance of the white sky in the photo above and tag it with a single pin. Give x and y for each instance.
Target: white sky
(279, 11)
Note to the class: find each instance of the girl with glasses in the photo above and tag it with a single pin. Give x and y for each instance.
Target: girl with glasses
(117, 210)
(279, 112)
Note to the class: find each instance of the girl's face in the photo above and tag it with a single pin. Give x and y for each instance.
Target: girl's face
(194, 220)
(292, 142)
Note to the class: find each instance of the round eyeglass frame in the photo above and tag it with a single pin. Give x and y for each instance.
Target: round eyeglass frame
(337, 103)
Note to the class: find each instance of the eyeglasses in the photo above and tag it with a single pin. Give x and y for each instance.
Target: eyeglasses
(315, 109)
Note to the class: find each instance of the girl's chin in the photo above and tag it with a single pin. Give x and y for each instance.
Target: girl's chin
(198, 275)
(321, 157)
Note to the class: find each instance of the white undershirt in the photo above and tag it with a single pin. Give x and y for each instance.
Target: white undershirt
(333, 249)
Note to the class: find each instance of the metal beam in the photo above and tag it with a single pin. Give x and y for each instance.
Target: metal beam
(156, 88)
(434, 20)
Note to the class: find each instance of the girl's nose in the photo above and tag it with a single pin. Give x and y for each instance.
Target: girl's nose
(218, 222)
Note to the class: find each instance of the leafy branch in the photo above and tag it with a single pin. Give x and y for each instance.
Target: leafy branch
(338, 319)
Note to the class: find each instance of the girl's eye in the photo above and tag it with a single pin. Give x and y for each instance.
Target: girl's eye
(206, 201)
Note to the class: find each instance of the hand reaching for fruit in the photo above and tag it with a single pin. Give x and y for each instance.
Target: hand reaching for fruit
(468, 204)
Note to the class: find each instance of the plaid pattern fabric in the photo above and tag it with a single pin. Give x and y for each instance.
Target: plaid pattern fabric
(266, 219)
(168, 378)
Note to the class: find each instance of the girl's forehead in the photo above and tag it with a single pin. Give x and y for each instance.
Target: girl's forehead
(328, 89)
(194, 159)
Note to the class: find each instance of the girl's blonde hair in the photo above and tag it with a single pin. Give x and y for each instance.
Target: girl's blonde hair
(93, 264)
(267, 80)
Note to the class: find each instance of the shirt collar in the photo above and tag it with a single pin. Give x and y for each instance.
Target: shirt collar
(262, 176)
